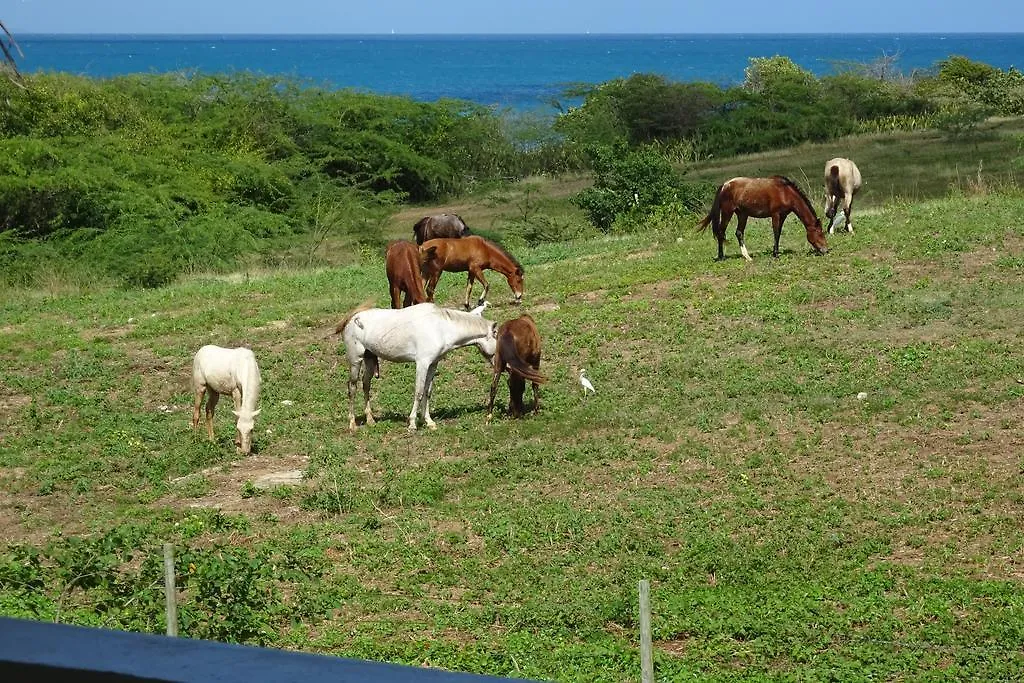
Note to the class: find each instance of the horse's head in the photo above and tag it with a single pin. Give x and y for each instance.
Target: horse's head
(488, 345)
(515, 283)
(246, 419)
(816, 236)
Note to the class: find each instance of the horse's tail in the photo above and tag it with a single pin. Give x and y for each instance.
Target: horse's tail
(340, 327)
(714, 215)
(509, 352)
(419, 229)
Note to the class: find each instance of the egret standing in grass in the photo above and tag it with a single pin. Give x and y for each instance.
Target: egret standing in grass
(585, 383)
(479, 310)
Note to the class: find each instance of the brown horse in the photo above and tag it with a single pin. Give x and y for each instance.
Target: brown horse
(402, 263)
(519, 352)
(777, 196)
(440, 225)
(471, 254)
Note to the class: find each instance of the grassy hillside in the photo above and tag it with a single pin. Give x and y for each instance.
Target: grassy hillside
(789, 529)
(907, 166)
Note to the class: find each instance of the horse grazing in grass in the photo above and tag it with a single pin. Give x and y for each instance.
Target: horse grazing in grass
(777, 196)
(216, 371)
(473, 255)
(402, 264)
(421, 334)
(519, 352)
(842, 181)
(440, 225)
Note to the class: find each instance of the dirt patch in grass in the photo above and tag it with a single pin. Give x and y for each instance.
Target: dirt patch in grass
(228, 490)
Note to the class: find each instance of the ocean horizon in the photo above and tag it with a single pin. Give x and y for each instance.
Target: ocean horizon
(516, 71)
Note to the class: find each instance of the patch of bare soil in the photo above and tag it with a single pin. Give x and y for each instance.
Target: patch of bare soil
(228, 483)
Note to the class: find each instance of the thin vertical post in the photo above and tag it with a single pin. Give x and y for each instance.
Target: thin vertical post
(170, 592)
(646, 649)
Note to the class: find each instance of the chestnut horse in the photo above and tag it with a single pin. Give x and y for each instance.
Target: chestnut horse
(777, 196)
(402, 264)
(440, 225)
(471, 254)
(519, 353)
(842, 181)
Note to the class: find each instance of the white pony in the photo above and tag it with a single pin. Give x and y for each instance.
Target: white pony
(421, 334)
(842, 181)
(216, 370)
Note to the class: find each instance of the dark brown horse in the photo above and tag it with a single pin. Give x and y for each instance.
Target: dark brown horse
(519, 353)
(776, 197)
(440, 225)
(402, 264)
(471, 254)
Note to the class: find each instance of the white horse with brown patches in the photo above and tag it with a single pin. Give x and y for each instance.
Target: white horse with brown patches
(842, 182)
(216, 371)
(421, 334)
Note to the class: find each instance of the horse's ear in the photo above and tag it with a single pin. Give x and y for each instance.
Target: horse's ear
(255, 413)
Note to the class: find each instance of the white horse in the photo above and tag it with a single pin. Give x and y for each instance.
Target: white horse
(216, 370)
(842, 181)
(421, 334)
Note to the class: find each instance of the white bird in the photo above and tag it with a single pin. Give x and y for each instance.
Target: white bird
(479, 310)
(585, 383)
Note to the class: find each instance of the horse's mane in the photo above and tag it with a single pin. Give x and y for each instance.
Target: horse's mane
(786, 181)
(505, 253)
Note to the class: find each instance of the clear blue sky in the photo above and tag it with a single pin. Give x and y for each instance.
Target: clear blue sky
(511, 16)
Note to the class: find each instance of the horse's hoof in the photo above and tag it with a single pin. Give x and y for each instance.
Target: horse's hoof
(370, 421)
(412, 429)
(432, 426)
(490, 416)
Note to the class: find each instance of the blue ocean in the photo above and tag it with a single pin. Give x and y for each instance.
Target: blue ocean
(514, 71)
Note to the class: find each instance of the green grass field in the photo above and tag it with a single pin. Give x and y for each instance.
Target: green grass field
(790, 530)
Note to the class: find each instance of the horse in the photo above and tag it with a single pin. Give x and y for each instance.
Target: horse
(439, 225)
(842, 181)
(777, 196)
(473, 255)
(216, 371)
(402, 264)
(421, 334)
(519, 352)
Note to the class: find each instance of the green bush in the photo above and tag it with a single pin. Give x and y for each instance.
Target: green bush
(630, 184)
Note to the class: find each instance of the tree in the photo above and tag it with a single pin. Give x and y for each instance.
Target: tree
(8, 46)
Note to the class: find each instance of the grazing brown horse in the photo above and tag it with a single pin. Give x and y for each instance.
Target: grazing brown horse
(440, 225)
(519, 353)
(777, 196)
(471, 254)
(402, 264)
(842, 182)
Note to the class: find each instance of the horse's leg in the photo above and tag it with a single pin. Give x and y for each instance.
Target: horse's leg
(494, 390)
(720, 232)
(848, 209)
(432, 284)
(353, 380)
(396, 296)
(431, 372)
(479, 275)
(831, 202)
(536, 398)
(418, 393)
(211, 405)
(777, 220)
(741, 226)
(469, 287)
(197, 406)
(371, 368)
